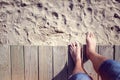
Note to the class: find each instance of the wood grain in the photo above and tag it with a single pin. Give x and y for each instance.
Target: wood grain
(45, 63)
(117, 53)
(60, 63)
(5, 63)
(31, 62)
(17, 60)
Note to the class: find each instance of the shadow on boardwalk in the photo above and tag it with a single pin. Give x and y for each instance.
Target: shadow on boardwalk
(69, 66)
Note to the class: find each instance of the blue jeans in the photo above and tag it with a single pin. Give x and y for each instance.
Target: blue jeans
(80, 76)
(109, 70)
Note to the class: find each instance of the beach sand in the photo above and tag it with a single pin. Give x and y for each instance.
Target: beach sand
(58, 22)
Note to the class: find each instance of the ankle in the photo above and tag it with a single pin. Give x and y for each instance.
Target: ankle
(91, 54)
(78, 62)
(78, 65)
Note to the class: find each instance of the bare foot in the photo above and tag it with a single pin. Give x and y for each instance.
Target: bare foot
(96, 58)
(75, 51)
(91, 43)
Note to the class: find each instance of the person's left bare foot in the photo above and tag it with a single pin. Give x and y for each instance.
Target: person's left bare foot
(75, 51)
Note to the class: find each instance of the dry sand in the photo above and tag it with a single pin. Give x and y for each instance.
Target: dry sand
(58, 22)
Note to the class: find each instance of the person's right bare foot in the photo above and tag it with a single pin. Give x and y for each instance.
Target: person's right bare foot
(91, 43)
(96, 58)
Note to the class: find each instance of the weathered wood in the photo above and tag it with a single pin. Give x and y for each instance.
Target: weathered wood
(107, 51)
(45, 63)
(31, 62)
(117, 53)
(70, 63)
(5, 64)
(88, 64)
(17, 60)
(60, 63)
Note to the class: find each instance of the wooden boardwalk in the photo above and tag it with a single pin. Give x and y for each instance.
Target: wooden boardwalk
(45, 62)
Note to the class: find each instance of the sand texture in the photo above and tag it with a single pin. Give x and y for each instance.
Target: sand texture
(58, 22)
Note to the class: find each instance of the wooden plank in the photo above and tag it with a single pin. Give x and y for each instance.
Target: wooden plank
(17, 60)
(117, 53)
(60, 63)
(70, 63)
(31, 62)
(107, 51)
(5, 64)
(88, 66)
(45, 63)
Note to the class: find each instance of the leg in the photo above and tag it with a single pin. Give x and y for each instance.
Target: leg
(96, 59)
(108, 69)
(78, 72)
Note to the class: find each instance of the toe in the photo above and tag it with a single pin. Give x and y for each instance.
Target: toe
(88, 34)
(70, 44)
(93, 35)
(71, 49)
(73, 44)
(77, 44)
